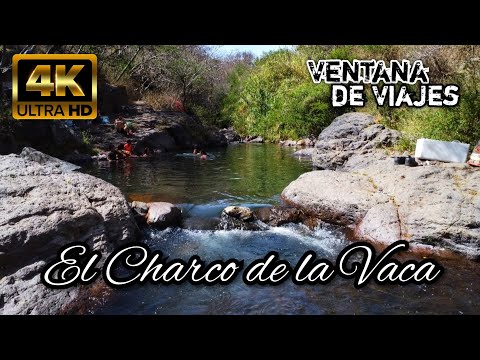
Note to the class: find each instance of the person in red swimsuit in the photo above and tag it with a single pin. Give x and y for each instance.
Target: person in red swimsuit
(128, 147)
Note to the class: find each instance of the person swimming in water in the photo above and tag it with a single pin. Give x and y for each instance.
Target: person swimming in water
(203, 155)
(195, 151)
(114, 154)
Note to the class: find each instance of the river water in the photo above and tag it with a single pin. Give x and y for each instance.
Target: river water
(254, 175)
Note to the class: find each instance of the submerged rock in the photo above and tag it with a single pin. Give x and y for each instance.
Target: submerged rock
(280, 215)
(78, 158)
(306, 153)
(45, 204)
(238, 217)
(201, 223)
(239, 212)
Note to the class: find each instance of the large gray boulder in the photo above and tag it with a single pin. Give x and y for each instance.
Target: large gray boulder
(44, 204)
(348, 135)
(428, 205)
(347, 126)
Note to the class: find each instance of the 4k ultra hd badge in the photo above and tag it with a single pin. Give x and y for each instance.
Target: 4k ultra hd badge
(57, 86)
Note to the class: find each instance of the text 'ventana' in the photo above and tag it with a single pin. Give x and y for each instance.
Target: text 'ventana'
(348, 79)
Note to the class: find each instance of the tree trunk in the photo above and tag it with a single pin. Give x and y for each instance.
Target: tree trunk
(128, 64)
(184, 96)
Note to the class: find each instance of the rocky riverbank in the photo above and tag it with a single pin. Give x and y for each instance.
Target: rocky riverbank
(44, 204)
(162, 131)
(433, 206)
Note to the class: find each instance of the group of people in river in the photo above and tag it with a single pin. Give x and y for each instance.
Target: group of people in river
(123, 151)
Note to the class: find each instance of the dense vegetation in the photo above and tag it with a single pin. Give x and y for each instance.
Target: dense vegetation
(274, 96)
(277, 99)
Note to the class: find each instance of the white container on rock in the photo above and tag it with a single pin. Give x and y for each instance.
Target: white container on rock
(428, 149)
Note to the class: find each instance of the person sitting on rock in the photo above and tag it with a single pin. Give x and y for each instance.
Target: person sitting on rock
(120, 124)
(128, 148)
(203, 155)
(128, 129)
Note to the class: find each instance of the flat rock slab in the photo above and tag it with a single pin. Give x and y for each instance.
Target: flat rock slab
(337, 197)
(435, 205)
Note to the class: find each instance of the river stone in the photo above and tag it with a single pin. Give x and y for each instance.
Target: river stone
(114, 98)
(289, 143)
(140, 207)
(306, 153)
(201, 223)
(257, 140)
(239, 212)
(238, 218)
(45, 204)
(163, 215)
(306, 142)
(279, 215)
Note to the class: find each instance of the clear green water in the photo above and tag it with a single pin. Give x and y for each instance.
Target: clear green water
(246, 173)
(255, 175)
